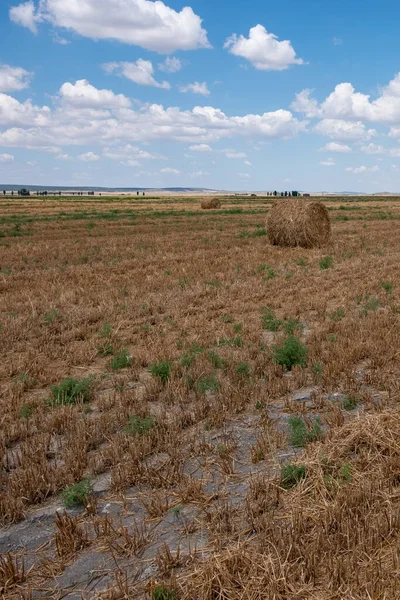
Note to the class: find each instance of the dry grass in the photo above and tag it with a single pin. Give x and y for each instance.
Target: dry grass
(193, 431)
(297, 222)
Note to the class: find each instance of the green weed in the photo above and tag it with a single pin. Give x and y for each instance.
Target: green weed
(300, 434)
(121, 360)
(77, 495)
(326, 262)
(161, 369)
(290, 352)
(291, 475)
(139, 425)
(70, 391)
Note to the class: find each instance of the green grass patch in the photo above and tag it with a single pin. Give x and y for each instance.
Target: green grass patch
(300, 434)
(291, 475)
(121, 360)
(290, 352)
(161, 369)
(77, 495)
(71, 391)
(140, 425)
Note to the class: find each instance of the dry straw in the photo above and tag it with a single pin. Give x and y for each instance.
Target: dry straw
(208, 203)
(296, 222)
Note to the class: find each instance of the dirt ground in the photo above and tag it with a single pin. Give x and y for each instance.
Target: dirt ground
(158, 439)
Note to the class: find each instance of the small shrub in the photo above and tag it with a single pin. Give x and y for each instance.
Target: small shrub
(387, 286)
(270, 274)
(139, 425)
(105, 349)
(337, 315)
(302, 262)
(243, 369)
(237, 327)
(121, 360)
(52, 316)
(345, 473)
(370, 305)
(291, 475)
(216, 360)
(326, 262)
(105, 330)
(290, 352)
(207, 383)
(292, 325)
(77, 495)
(350, 402)
(318, 370)
(162, 592)
(190, 356)
(161, 369)
(300, 434)
(332, 337)
(70, 391)
(25, 411)
(227, 319)
(269, 320)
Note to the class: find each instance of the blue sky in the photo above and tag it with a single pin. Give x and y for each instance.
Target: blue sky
(236, 95)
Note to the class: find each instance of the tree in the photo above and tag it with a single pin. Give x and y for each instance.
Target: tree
(4, 192)
(295, 194)
(24, 192)
(285, 194)
(275, 193)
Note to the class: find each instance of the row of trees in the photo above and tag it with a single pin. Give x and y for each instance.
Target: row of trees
(284, 194)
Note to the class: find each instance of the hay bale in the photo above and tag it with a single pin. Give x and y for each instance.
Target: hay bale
(298, 222)
(208, 203)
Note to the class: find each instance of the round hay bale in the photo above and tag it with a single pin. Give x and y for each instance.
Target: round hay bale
(298, 222)
(208, 203)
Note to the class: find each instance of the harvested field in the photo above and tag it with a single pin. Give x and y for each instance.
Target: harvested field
(188, 412)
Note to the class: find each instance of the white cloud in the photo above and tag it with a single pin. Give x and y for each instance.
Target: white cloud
(363, 169)
(372, 149)
(337, 41)
(345, 103)
(57, 39)
(129, 153)
(6, 158)
(200, 148)
(13, 78)
(233, 153)
(171, 65)
(248, 163)
(303, 103)
(244, 175)
(63, 156)
(335, 147)
(328, 163)
(196, 88)
(89, 157)
(263, 50)
(14, 113)
(198, 174)
(345, 131)
(83, 115)
(170, 171)
(144, 23)
(141, 72)
(82, 94)
(25, 14)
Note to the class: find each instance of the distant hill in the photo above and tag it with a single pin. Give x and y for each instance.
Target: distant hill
(82, 188)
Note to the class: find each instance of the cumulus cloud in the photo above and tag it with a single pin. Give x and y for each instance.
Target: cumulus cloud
(362, 169)
(345, 103)
(6, 158)
(170, 171)
(372, 149)
(198, 174)
(335, 147)
(200, 148)
(263, 50)
(345, 131)
(140, 72)
(233, 153)
(151, 25)
(171, 65)
(13, 78)
(26, 15)
(195, 88)
(82, 94)
(328, 163)
(89, 157)
(83, 115)
(248, 163)
(14, 113)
